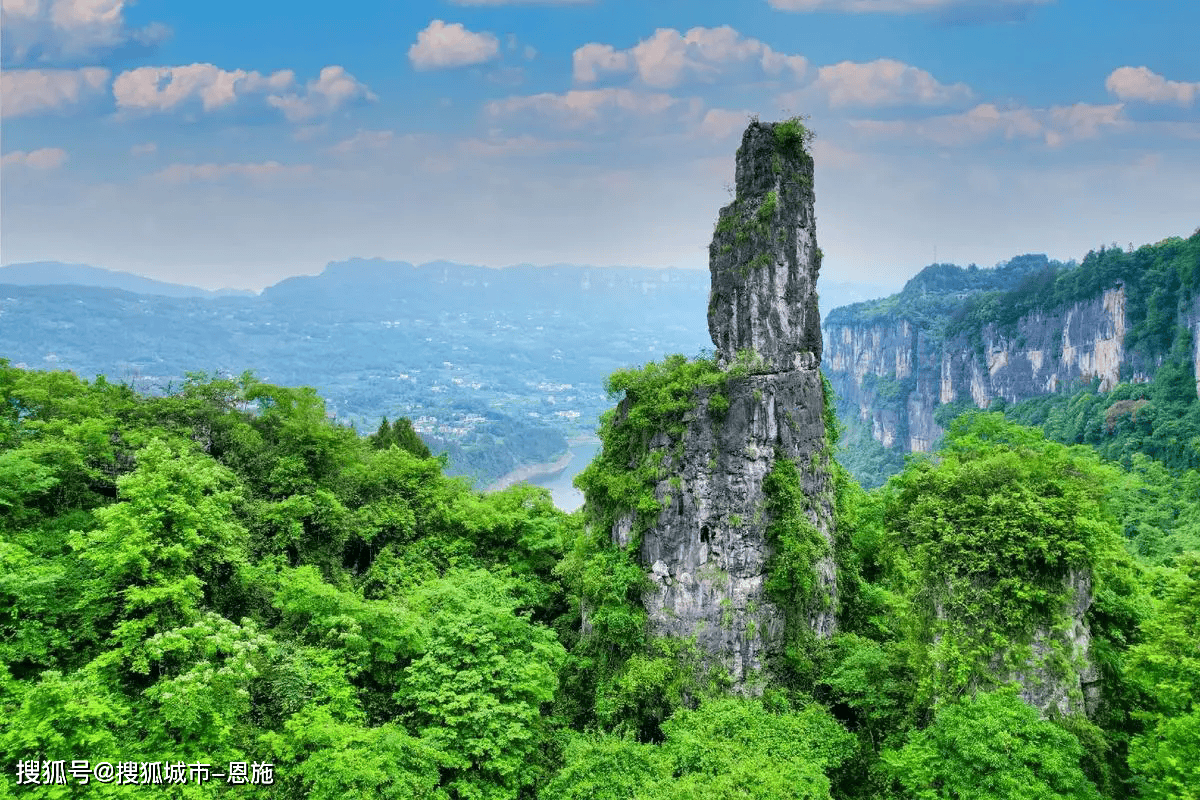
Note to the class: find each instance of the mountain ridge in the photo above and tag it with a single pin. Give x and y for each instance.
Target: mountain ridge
(58, 273)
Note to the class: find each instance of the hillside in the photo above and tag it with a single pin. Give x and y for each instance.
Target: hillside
(956, 339)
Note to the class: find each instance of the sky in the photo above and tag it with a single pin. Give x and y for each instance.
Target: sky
(232, 144)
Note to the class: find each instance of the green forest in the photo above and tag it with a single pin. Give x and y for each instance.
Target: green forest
(224, 576)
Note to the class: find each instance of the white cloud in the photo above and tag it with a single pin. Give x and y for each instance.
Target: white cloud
(1140, 83)
(721, 123)
(1081, 121)
(43, 158)
(580, 106)
(668, 57)
(165, 88)
(144, 149)
(333, 89)
(1054, 126)
(444, 45)
(885, 82)
(898, 6)
(19, 9)
(158, 89)
(193, 173)
(70, 29)
(593, 58)
(30, 91)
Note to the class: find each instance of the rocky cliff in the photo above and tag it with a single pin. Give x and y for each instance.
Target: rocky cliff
(1026, 331)
(737, 467)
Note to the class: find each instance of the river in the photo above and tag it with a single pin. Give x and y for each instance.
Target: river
(566, 496)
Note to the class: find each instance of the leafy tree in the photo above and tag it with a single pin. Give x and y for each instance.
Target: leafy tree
(985, 544)
(990, 746)
(329, 759)
(728, 747)
(402, 435)
(477, 690)
(1166, 665)
(171, 540)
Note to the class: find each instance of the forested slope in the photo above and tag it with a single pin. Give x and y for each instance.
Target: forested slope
(1121, 328)
(223, 575)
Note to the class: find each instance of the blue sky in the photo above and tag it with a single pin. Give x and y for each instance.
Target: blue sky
(236, 143)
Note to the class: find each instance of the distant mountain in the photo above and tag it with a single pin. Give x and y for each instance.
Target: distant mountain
(497, 366)
(56, 273)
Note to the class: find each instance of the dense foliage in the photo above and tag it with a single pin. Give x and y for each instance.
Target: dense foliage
(223, 574)
(937, 292)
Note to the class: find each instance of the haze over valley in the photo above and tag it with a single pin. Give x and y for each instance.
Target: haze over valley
(500, 368)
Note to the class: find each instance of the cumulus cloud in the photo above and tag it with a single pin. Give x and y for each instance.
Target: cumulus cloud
(443, 45)
(885, 82)
(581, 106)
(165, 88)
(721, 123)
(593, 58)
(159, 89)
(43, 158)
(54, 30)
(32, 91)
(1054, 126)
(197, 173)
(668, 57)
(1141, 84)
(900, 6)
(333, 89)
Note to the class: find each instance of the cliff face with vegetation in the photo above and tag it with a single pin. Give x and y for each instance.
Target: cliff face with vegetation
(734, 523)
(961, 339)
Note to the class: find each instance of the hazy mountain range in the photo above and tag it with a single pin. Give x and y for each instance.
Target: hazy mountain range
(496, 366)
(56, 273)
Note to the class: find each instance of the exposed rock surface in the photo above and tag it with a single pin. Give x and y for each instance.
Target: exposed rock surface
(708, 552)
(1057, 674)
(892, 375)
(764, 257)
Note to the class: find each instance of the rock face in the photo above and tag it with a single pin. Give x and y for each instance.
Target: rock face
(708, 551)
(1055, 669)
(1073, 687)
(892, 374)
(764, 257)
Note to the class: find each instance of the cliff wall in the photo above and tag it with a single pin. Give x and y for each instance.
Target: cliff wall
(891, 371)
